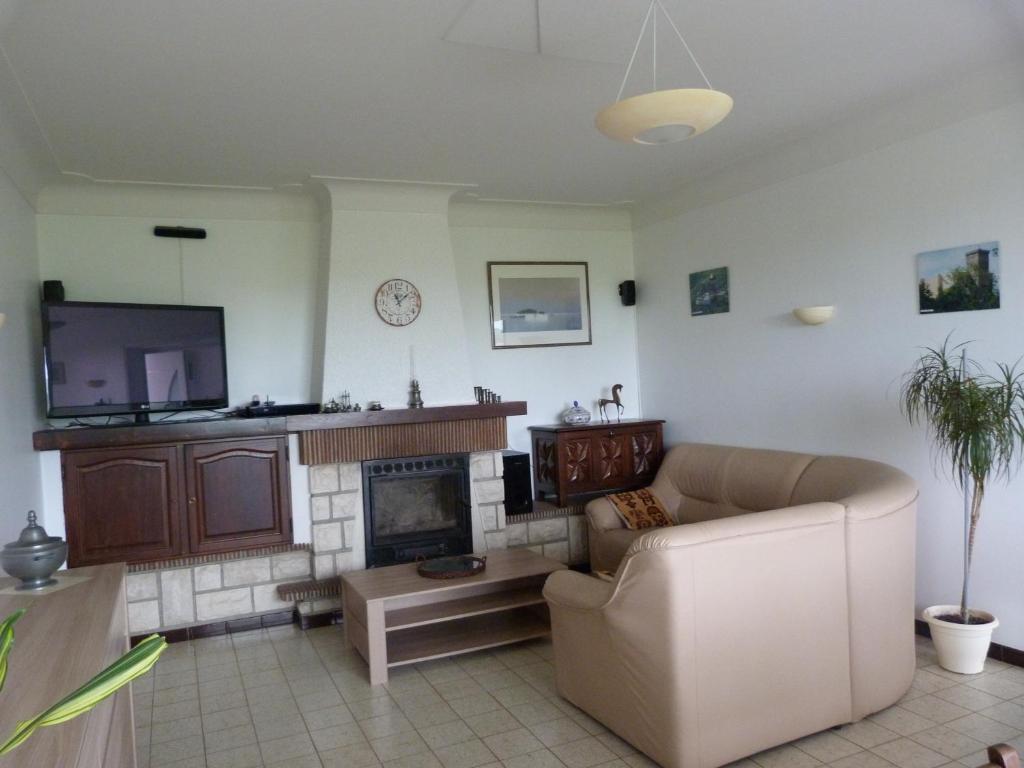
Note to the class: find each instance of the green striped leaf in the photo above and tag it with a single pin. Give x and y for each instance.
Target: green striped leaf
(138, 661)
(7, 642)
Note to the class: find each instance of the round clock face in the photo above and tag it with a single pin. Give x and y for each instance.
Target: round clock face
(398, 302)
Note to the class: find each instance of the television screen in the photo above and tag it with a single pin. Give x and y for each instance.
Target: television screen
(132, 358)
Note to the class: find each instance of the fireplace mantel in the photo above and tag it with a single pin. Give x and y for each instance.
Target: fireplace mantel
(405, 416)
(346, 437)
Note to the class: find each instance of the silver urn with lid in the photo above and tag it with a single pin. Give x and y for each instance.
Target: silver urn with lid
(34, 557)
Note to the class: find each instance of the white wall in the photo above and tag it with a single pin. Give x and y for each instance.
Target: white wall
(20, 488)
(549, 378)
(847, 235)
(259, 261)
(381, 231)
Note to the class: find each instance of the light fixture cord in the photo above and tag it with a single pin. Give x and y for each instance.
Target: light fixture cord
(654, 51)
(636, 48)
(681, 39)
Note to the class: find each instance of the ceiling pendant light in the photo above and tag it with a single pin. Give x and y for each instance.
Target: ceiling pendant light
(666, 116)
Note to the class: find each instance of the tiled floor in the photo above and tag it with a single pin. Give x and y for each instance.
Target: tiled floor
(282, 697)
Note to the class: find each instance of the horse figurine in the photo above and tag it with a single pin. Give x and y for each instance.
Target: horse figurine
(616, 401)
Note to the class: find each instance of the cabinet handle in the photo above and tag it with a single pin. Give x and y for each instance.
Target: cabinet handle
(191, 499)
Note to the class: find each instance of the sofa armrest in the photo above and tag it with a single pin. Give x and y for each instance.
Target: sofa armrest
(602, 516)
(576, 591)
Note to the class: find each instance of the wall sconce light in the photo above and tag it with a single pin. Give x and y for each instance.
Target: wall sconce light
(2, 318)
(814, 315)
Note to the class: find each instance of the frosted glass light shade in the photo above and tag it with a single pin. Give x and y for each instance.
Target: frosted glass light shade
(814, 315)
(2, 318)
(662, 117)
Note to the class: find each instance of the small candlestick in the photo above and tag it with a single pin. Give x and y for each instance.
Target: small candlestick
(415, 401)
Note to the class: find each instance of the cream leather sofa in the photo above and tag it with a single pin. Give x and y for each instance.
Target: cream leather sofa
(781, 605)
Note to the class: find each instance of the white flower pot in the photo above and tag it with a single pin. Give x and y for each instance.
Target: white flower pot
(961, 647)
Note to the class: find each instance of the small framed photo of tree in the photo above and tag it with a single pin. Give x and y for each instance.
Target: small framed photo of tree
(958, 279)
(539, 303)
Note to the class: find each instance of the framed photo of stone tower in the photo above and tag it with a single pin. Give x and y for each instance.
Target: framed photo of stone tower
(958, 279)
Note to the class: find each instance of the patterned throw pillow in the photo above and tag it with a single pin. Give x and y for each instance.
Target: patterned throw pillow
(640, 509)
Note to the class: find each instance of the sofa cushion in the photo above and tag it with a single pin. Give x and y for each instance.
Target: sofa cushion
(640, 509)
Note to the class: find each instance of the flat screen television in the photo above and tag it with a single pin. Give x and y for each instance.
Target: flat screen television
(102, 359)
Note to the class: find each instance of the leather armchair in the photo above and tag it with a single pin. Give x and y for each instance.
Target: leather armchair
(781, 605)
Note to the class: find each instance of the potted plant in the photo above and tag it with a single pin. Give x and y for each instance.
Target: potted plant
(976, 421)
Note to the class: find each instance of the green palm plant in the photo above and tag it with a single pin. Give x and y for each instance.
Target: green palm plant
(138, 661)
(976, 421)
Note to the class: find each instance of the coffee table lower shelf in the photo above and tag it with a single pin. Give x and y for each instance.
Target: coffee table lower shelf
(450, 638)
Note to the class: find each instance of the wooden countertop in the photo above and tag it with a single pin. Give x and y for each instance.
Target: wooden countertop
(63, 639)
(70, 438)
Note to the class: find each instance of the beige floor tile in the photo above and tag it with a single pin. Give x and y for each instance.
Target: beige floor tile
(785, 756)
(517, 742)
(277, 727)
(334, 736)
(227, 701)
(562, 730)
(459, 688)
(247, 756)
(306, 761)
(446, 734)
(536, 712)
(424, 717)
(517, 694)
(998, 685)
(948, 742)
(983, 729)
(479, 663)
(226, 718)
(640, 760)
(542, 758)
(490, 723)
(929, 682)
(176, 729)
(236, 736)
(866, 734)
(398, 745)
(161, 755)
(175, 711)
(901, 721)
(474, 705)
(416, 699)
(906, 753)
(277, 750)
(862, 759)
(827, 746)
(583, 753)
(173, 695)
(353, 756)
(967, 697)
(466, 754)
(936, 709)
(367, 708)
(421, 760)
(501, 678)
(259, 679)
(385, 725)
(321, 718)
(620, 747)
(1007, 712)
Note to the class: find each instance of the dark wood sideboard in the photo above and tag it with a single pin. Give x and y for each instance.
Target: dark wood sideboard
(581, 462)
(137, 494)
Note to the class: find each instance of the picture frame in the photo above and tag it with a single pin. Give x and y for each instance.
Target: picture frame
(539, 303)
(709, 292)
(964, 278)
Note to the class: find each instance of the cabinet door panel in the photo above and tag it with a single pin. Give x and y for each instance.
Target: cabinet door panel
(122, 505)
(613, 459)
(237, 494)
(646, 452)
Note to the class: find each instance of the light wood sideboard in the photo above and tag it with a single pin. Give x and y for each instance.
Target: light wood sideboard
(394, 616)
(65, 638)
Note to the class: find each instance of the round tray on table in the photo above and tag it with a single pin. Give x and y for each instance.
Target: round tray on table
(457, 567)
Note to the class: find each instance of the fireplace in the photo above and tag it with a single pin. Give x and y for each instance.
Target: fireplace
(416, 507)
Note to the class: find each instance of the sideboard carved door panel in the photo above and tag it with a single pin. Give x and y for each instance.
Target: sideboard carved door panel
(573, 464)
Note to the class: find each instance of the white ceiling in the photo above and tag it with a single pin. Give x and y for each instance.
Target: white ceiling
(268, 92)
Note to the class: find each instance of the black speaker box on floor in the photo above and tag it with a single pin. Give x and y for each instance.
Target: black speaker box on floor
(518, 491)
(53, 290)
(627, 290)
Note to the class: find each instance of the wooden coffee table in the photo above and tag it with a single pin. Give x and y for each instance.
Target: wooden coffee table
(393, 616)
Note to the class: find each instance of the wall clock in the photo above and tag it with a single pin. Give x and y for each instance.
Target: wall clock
(398, 302)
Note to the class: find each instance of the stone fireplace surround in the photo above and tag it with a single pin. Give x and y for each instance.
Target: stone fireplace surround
(185, 594)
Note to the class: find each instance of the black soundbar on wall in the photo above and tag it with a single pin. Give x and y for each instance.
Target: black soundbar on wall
(188, 233)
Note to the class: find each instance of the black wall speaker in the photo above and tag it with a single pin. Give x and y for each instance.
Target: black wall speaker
(627, 290)
(518, 494)
(188, 233)
(53, 290)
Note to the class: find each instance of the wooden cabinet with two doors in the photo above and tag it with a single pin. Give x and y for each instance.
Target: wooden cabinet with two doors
(151, 502)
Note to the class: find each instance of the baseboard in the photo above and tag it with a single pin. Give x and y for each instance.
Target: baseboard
(214, 629)
(1003, 653)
